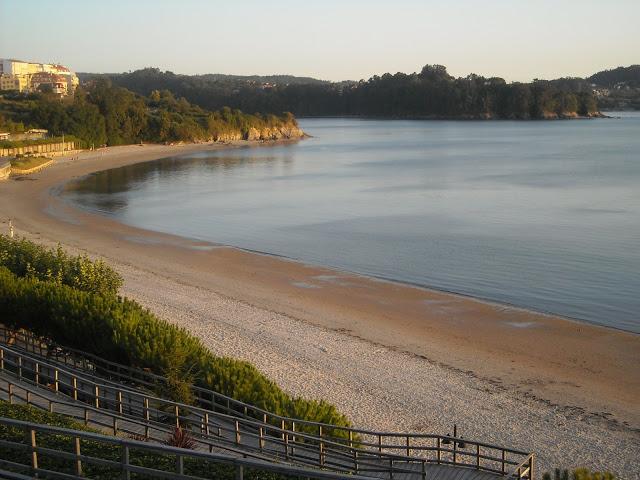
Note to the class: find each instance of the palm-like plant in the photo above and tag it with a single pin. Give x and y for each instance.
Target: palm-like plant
(180, 438)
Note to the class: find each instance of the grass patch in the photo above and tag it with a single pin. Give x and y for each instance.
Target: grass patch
(27, 163)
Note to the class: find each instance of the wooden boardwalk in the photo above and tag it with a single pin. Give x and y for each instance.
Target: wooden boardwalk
(125, 410)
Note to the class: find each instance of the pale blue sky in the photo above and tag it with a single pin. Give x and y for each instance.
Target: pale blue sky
(328, 39)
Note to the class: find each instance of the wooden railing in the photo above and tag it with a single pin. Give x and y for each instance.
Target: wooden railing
(79, 460)
(151, 418)
(439, 449)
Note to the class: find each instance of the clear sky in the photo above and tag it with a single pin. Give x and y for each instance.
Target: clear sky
(329, 39)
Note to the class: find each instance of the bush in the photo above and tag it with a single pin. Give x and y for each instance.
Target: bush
(578, 474)
(120, 330)
(180, 438)
(25, 258)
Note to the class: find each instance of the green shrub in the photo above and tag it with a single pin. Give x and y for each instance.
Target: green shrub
(120, 330)
(578, 474)
(586, 474)
(25, 258)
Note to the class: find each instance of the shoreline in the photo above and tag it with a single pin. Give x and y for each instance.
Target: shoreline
(205, 244)
(593, 116)
(283, 315)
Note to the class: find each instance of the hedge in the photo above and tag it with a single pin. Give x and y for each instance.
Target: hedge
(120, 330)
(25, 258)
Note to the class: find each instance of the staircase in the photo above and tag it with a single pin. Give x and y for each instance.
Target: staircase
(121, 399)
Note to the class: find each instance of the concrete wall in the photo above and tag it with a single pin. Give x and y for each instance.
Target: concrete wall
(5, 169)
(19, 171)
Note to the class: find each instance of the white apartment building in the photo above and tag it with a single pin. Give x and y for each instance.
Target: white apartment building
(31, 77)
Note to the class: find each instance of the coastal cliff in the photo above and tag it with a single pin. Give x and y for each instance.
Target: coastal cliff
(287, 131)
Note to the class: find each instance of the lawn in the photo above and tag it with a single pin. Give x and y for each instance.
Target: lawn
(27, 163)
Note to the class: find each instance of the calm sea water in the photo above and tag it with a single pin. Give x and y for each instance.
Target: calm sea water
(543, 215)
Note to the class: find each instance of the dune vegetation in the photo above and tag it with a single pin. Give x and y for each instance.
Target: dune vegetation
(73, 301)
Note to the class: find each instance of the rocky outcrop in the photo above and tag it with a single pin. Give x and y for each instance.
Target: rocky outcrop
(287, 131)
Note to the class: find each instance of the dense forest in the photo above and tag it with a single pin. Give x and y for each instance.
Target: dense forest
(619, 88)
(101, 113)
(431, 93)
(629, 76)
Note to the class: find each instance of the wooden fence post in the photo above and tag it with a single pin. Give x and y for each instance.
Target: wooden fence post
(126, 474)
(455, 451)
(206, 424)
(237, 425)
(78, 462)
(146, 416)
(34, 453)
(74, 385)
(180, 464)
(286, 445)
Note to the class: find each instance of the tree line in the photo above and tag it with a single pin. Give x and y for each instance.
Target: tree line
(101, 113)
(431, 93)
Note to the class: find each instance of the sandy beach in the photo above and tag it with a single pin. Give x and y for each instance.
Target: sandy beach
(390, 356)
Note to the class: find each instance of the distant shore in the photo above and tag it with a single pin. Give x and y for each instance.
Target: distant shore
(390, 356)
(461, 117)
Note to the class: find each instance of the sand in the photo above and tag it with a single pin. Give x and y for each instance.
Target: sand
(390, 356)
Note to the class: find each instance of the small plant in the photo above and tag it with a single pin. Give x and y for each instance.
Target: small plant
(138, 437)
(179, 376)
(180, 438)
(586, 474)
(578, 474)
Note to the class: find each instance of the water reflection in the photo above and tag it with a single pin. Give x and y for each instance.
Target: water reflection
(544, 215)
